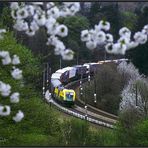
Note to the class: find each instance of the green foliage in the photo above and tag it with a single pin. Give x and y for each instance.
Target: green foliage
(139, 55)
(129, 19)
(75, 132)
(125, 130)
(108, 88)
(40, 123)
(95, 13)
(109, 13)
(101, 137)
(75, 25)
(5, 17)
(29, 64)
(141, 133)
(134, 134)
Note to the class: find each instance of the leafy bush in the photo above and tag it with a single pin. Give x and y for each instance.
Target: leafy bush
(108, 88)
(40, 123)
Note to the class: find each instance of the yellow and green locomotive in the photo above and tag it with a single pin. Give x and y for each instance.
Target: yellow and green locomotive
(67, 96)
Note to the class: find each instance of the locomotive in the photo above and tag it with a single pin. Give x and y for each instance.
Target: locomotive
(68, 74)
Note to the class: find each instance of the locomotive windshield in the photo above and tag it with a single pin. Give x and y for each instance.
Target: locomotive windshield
(69, 96)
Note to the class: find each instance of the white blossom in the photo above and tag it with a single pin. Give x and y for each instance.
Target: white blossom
(129, 97)
(2, 31)
(128, 69)
(14, 98)
(58, 50)
(30, 9)
(22, 13)
(62, 30)
(53, 40)
(119, 48)
(132, 44)
(123, 40)
(75, 7)
(140, 37)
(19, 116)
(15, 60)
(125, 32)
(50, 5)
(14, 5)
(52, 29)
(34, 26)
(5, 89)
(29, 17)
(65, 12)
(91, 44)
(97, 28)
(40, 19)
(16, 73)
(4, 110)
(85, 36)
(50, 22)
(68, 4)
(145, 29)
(100, 37)
(109, 38)
(3, 54)
(30, 32)
(6, 60)
(37, 3)
(93, 34)
(59, 45)
(13, 14)
(104, 25)
(67, 54)
(21, 25)
(109, 48)
(54, 12)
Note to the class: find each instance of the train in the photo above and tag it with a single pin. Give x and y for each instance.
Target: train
(63, 76)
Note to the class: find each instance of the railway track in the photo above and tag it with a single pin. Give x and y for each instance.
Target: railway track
(80, 114)
(92, 114)
(90, 107)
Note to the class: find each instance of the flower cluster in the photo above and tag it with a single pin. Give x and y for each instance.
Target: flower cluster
(98, 36)
(128, 70)
(30, 16)
(131, 95)
(5, 89)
